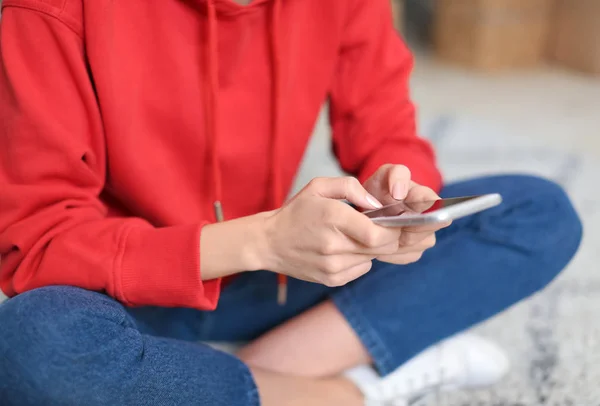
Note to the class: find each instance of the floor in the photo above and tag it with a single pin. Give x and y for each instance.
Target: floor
(544, 122)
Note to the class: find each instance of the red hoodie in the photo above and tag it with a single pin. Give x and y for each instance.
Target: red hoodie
(122, 122)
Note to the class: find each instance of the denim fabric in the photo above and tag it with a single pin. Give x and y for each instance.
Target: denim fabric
(67, 346)
(480, 266)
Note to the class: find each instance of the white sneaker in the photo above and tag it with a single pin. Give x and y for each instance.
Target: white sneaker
(461, 362)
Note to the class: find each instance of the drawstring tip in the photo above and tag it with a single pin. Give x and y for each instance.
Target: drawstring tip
(218, 211)
(281, 294)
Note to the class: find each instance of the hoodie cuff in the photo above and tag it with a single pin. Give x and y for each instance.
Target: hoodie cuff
(161, 267)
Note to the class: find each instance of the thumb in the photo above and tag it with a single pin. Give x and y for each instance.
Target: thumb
(347, 188)
(398, 181)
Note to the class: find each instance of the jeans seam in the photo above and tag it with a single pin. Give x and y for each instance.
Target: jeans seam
(346, 303)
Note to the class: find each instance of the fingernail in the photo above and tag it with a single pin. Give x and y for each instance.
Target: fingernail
(399, 191)
(374, 202)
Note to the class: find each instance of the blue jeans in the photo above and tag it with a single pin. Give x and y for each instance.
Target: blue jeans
(67, 346)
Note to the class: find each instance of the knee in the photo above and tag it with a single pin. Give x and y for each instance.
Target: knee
(56, 314)
(49, 338)
(538, 217)
(536, 224)
(544, 205)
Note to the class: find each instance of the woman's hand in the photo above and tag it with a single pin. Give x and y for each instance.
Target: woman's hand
(392, 183)
(317, 238)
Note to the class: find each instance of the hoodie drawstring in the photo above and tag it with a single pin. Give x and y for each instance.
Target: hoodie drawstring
(276, 186)
(212, 105)
(212, 118)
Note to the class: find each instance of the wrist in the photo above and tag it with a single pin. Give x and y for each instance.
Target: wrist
(234, 246)
(257, 252)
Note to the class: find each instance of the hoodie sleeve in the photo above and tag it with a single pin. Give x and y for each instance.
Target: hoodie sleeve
(372, 115)
(54, 228)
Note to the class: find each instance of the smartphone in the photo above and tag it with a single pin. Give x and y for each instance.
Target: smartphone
(406, 213)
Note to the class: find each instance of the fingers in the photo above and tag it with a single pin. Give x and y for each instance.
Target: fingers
(364, 235)
(411, 242)
(371, 238)
(348, 188)
(412, 250)
(419, 193)
(402, 259)
(398, 181)
(348, 245)
(348, 275)
(334, 264)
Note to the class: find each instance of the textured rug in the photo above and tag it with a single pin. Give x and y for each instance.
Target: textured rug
(553, 339)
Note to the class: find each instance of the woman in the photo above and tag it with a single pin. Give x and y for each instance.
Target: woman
(131, 129)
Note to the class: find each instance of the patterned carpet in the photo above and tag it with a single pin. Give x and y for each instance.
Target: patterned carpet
(553, 339)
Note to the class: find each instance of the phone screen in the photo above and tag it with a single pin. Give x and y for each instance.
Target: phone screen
(404, 208)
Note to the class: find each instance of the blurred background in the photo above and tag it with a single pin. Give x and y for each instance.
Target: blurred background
(514, 86)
